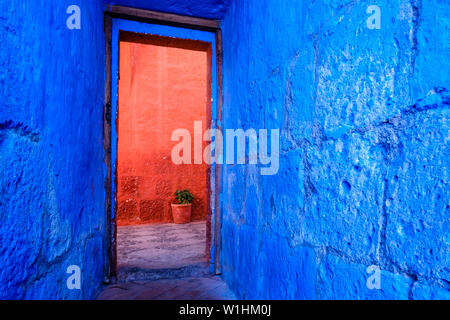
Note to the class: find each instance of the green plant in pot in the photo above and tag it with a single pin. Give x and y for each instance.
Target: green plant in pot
(182, 210)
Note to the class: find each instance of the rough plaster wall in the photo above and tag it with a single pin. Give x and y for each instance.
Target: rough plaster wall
(364, 146)
(212, 9)
(51, 149)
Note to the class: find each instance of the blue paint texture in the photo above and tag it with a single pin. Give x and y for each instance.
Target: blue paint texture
(364, 149)
(211, 9)
(51, 149)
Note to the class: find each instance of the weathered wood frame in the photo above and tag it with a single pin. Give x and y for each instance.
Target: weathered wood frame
(165, 19)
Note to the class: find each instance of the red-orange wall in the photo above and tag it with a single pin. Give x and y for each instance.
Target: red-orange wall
(163, 86)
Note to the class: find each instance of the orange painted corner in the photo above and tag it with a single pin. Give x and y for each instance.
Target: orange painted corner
(163, 86)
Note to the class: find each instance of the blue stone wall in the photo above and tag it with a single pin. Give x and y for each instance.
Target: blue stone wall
(51, 149)
(212, 9)
(364, 149)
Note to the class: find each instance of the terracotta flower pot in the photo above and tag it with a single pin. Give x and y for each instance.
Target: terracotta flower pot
(181, 213)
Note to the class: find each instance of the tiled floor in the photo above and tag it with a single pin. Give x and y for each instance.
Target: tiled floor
(164, 262)
(161, 246)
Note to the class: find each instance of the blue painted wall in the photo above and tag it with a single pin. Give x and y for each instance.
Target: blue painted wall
(51, 149)
(212, 9)
(363, 176)
(364, 163)
(52, 193)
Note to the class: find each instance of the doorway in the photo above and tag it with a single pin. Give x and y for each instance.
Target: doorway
(162, 78)
(164, 85)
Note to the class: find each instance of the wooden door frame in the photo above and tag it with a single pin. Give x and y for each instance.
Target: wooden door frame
(154, 17)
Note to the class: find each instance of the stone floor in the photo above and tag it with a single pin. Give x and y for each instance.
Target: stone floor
(204, 288)
(164, 262)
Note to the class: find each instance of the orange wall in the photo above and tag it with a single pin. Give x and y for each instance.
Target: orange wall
(163, 86)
